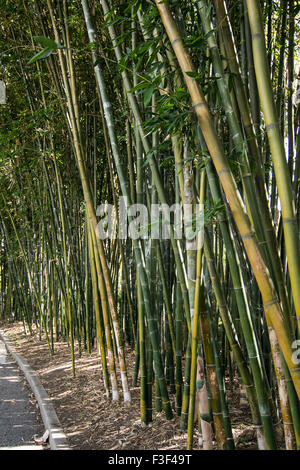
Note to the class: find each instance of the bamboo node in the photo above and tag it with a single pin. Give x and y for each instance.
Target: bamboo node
(272, 126)
(223, 171)
(272, 302)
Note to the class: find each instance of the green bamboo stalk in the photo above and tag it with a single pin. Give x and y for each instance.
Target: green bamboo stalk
(107, 327)
(140, 264)
(37, 298)
(277, 150)
(271, 304)
(99, 332)
(68, 299)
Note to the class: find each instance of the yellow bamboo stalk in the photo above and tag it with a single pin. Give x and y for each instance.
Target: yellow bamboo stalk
(71, 95)
(270, 301)
(281, 170)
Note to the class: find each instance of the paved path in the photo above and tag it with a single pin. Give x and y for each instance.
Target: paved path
(19, 419)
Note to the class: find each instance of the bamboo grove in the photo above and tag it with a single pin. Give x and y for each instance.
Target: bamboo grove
(159, 103)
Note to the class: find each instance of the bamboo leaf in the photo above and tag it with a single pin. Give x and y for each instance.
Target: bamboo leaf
(148, 95)
(47, 42)
(40, 55)
(139, 86)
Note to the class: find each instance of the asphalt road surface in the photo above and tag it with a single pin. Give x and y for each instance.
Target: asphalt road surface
(20, 420)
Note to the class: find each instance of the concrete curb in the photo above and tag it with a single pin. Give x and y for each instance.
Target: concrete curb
(57, 437)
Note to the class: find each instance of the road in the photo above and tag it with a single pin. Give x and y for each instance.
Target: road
(20, 420)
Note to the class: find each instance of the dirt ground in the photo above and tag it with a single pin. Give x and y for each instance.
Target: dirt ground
(90, 420)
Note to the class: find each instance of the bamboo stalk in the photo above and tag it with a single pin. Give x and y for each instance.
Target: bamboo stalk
(271, 304)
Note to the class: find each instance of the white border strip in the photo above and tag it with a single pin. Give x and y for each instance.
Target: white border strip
(57, 437)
